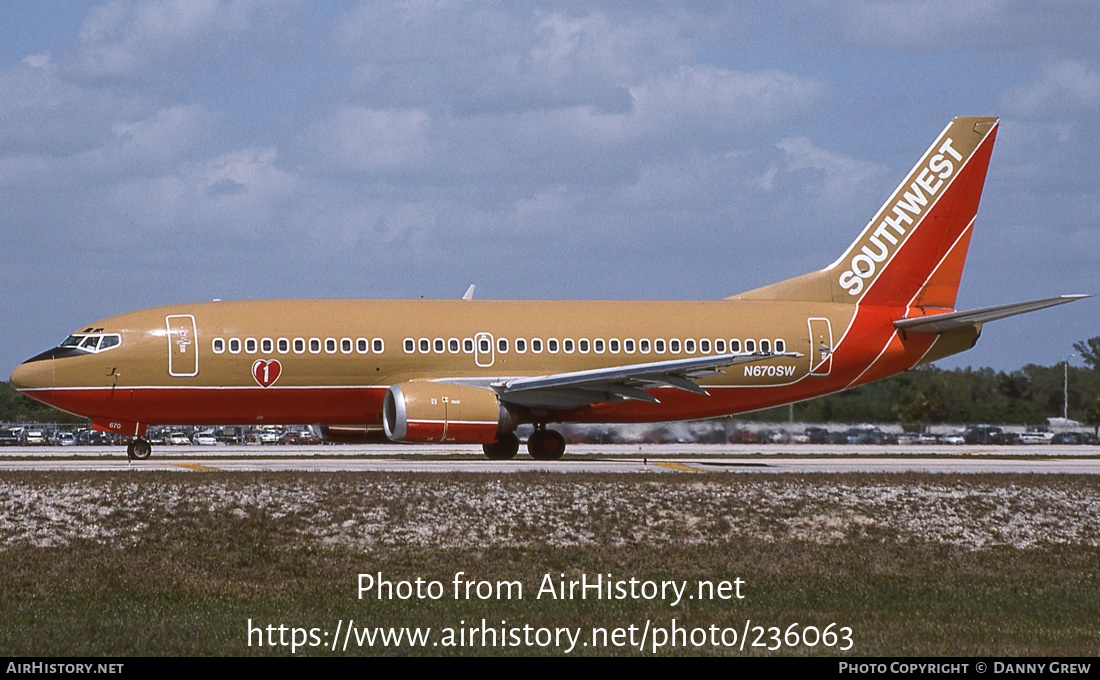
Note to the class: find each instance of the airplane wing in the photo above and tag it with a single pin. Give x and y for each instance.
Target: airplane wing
(619, 383)
(941, 323)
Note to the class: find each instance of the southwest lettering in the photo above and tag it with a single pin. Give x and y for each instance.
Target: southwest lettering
(902, 215)
(947, 148)
(938, 164)
(925, 180)
(913, 202)
(881, 232)
(883, 251)
(905, 213)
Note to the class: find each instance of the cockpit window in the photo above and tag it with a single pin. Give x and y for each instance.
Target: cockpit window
(93, 342)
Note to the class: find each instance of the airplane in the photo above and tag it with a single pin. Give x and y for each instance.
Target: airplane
(471, 371)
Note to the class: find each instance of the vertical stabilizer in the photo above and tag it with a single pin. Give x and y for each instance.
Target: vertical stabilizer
(913, 251)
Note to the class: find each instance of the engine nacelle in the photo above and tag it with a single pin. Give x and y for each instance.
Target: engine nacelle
(426, 412)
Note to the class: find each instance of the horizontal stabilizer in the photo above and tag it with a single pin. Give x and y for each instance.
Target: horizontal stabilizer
(941, 323)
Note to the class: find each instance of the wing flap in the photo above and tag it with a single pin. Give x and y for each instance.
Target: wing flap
(621, 383)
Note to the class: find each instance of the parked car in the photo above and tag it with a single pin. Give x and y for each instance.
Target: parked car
(178, 438)
(955, 439)
(1037, 434)
(298, 437)
(204, 439)
(11, 436)
(66, 439)
(984, 434)
(1068, 438)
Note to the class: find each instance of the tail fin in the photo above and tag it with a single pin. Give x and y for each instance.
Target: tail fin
(912, 252)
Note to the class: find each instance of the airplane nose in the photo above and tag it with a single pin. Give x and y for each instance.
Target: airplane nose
(32, 374)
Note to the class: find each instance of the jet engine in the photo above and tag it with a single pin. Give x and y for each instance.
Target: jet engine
(425, 412)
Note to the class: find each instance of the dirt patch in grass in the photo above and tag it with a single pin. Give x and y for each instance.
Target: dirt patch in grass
(915, 564)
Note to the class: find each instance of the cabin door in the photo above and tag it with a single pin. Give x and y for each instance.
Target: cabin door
(821, 347)
(183, 346)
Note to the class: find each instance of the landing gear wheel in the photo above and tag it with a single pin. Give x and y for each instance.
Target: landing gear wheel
(546, 444)
(140, 448)
(504, 448)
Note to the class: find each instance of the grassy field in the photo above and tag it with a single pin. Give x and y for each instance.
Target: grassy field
(179, 563)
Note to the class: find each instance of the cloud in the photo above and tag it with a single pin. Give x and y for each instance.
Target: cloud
(360, 139)
(1007, 28)
(830, 176)
(165, 41)
(1064, 88)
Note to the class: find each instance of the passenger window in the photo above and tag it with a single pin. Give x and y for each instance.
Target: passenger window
(219, 345)
(674, 346)
(521, 345)
(570, 346)
(439, 346)
(598, 345)
(345, 345)
(765, 346)
(735, 346)
(614, 346)
(266, 345)
(410, 345)
(425, 345)
(315, 345)
(468, 345)
(250, 345)
(643, 346)
(484, 345)
(659, 346)
(629, 345)
(283, 345)
(234, 345)
(720, 346)
(378, 346)
(362, 346)
(583, 344)
(299, 345)
(689, 346)
(330, 345)
(536, 345)
(452, 345)
(502, 344)
(750, 345)
(780, 346)
(552, 345)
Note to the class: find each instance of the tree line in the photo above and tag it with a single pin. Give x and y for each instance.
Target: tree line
(916, 399)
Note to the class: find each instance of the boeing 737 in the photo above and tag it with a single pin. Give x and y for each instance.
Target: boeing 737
(471, 371)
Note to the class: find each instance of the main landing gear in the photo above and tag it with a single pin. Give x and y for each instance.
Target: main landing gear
(504, 448)
(139, 448)
(543, 444)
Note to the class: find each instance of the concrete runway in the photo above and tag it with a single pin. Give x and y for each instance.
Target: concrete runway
(616, 458)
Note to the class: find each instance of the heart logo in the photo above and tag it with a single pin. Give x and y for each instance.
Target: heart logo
(266, 372)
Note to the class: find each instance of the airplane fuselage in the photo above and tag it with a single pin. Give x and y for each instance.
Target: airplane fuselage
(331, 361)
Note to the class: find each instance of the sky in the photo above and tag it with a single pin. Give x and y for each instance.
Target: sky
(182, 150)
